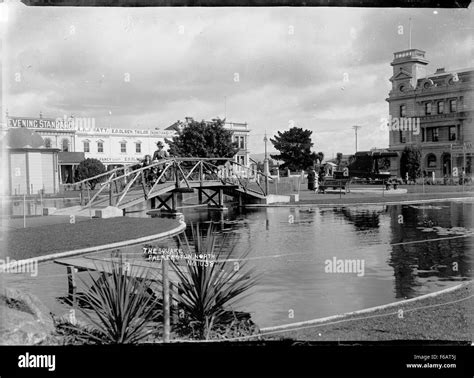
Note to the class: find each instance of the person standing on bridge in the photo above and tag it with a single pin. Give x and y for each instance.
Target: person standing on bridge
(159, 154)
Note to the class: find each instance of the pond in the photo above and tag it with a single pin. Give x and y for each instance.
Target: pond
(316, 262)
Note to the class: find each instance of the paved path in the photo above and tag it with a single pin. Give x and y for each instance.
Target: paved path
(308, 197)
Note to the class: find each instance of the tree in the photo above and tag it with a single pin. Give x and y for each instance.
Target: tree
(294, 146)
(338, 159)
(320, 156)
(89, 168)
(203, 139)
(410, 162)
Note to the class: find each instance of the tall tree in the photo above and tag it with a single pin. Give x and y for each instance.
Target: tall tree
(294, 146)
(338, 159)
(203, 139)
(410, 162)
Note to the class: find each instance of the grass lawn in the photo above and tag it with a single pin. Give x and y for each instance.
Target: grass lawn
(52, 238)
(449, 316)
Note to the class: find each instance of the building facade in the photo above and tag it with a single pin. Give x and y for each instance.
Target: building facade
(432, 112)
(31, 167)
(79, 138)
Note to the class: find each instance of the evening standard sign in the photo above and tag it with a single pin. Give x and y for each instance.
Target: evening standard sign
(40, 123)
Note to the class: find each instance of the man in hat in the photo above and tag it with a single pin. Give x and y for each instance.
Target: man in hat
(159, 153)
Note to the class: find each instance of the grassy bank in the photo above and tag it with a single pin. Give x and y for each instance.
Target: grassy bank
(448, 316)
(49, 238)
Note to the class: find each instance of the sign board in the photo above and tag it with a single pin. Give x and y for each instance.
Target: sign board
(82, 126)
(40, 123)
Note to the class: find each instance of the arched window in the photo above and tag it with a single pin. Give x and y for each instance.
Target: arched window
(65, 145)
(441, 107)
(428, 108)
(403, 110)
(47, 142)
(431, 161)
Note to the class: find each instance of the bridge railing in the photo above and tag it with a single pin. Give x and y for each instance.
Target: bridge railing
(179, 172)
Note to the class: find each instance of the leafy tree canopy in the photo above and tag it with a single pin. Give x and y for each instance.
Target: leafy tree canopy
(294, 146)
(89, 168)
(203, 139)
(410, 162)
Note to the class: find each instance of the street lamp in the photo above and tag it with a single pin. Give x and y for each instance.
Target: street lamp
(265, 164)
(355, 129)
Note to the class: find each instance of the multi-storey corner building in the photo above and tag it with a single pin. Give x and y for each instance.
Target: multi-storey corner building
(433, 112)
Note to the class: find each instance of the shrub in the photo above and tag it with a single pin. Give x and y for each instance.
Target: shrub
(123, 310)
(206, 294)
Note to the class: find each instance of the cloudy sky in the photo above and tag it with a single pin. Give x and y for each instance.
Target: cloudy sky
(269, 67)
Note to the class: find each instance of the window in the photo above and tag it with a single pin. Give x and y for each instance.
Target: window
(431, 161)
(65, 145)
(428, 108)
(47, 143)
(123, 147)
(100, 146)
(453, 106)
(87, 147)
(434, 134)
(138, 147)
(423, 137)
(452, 132)
(403, 110)
(441, 107)
(403, 138)
(242, 142)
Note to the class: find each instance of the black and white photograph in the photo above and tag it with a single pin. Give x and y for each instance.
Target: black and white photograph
(213, 176)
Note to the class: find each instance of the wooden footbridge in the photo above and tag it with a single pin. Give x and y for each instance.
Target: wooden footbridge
(162, 182)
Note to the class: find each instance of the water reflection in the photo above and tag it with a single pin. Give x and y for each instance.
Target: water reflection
(289, 247)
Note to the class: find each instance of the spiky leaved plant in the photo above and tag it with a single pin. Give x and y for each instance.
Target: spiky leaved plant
(207, 294)
(123, 310)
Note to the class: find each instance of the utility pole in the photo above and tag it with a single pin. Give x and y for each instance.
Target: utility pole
(225, 107)
(265, 164)
(409, 23)
(355, 129)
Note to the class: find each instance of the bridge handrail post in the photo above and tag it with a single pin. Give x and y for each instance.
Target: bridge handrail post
(201, 173)
(176, 173)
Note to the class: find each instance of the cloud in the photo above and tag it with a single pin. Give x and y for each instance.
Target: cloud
(148, 67)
